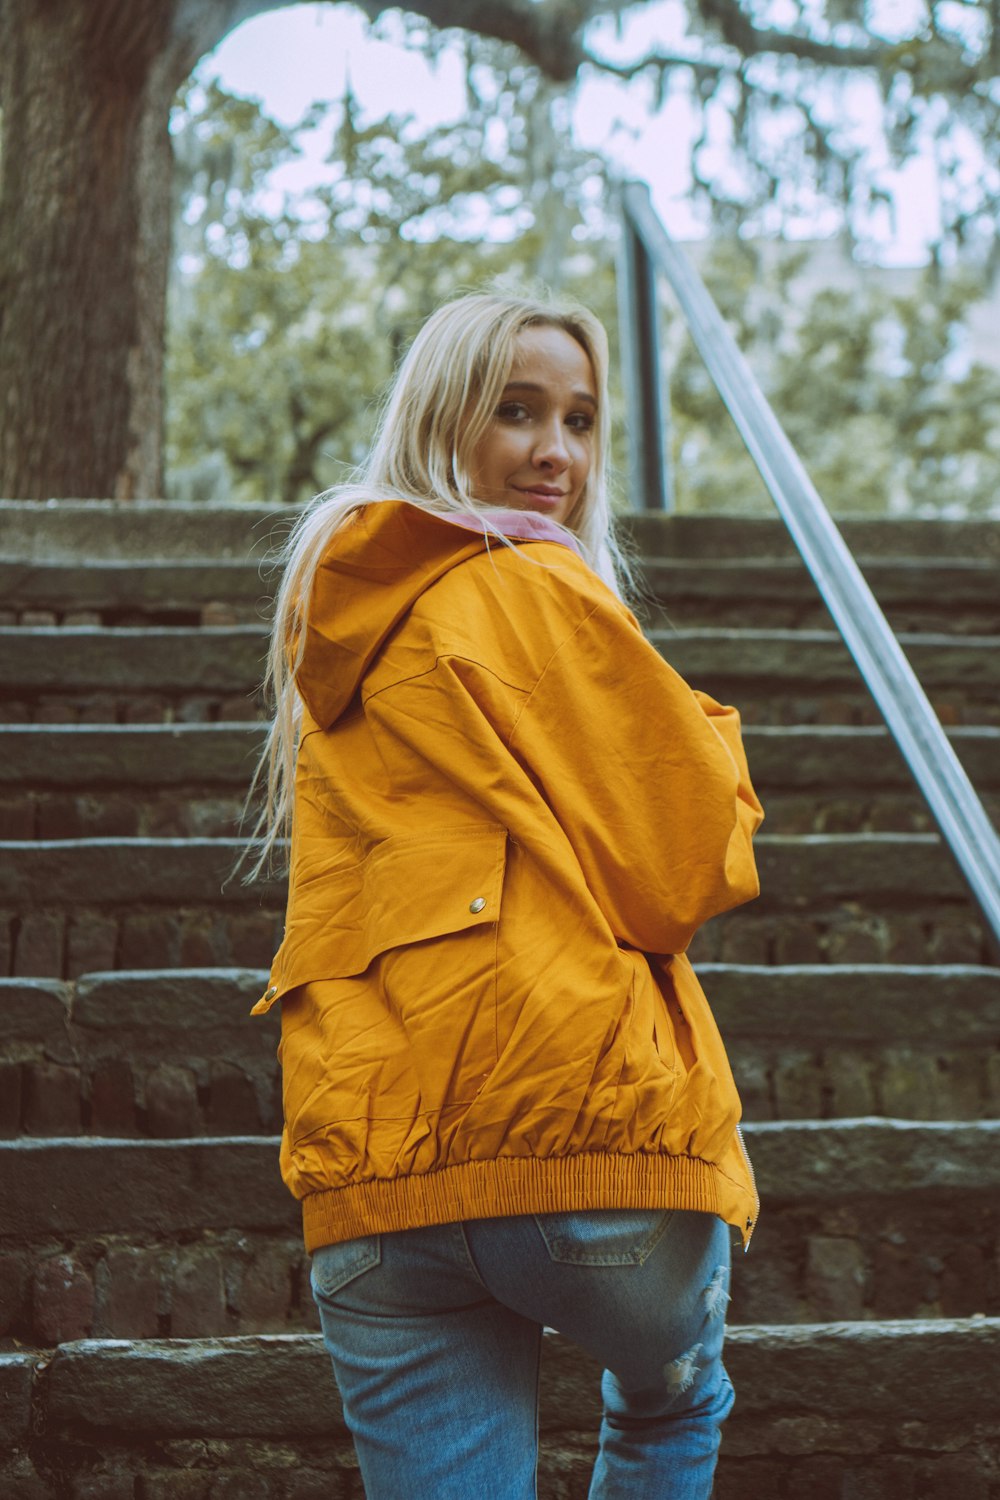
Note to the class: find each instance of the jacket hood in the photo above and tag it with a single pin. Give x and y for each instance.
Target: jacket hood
(378, 564)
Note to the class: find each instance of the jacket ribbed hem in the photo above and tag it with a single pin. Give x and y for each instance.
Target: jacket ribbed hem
(524, 1185)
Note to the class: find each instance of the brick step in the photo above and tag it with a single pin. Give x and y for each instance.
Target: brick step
(173, 1053)
(189, 780)
(864, 1257)
(57, 674)
(140, 530)
(160, 1054)
(836, 1410)
(120, 593)
(862, 1218)
(72, 1185)
(145, 530)
(653, 534)
(814, 1041)
(74, 905)
(836, 778)
(952, 595)
(797, 871)
(133, 674)
(955, 596)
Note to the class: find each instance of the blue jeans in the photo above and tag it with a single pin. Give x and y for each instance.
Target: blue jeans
(435, 1337)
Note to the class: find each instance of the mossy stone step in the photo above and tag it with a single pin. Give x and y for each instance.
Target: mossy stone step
(174, 1052)
(229, 658)
(653, 534)
(834, 1409)
(953, 596)
(950, 594)
(68, 906)
(80, 1185)
(180, 780)
(157, 529)
(862, 1218)
(797, 872)
(782, 758)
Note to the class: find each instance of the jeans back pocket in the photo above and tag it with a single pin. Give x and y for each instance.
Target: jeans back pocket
(603, 1236)
(335, 1266)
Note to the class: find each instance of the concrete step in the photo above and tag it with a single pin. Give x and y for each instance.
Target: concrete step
(91, 756)
(797, 871)
(59, 674)
(173, 1053)
(809, 757)
(228, 658)
(126, 781)
(161, 1054)
(75, 1185)
(203, 1418)
(190, 780)
(69, 530)
(860, 1218)
(833, 778)
(809, 677)
(191, 591)
(74, 905)
(653, 534)
(90, 658)
(138, 530)
(957, 595)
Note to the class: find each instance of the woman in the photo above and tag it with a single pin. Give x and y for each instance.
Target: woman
(506, 1102)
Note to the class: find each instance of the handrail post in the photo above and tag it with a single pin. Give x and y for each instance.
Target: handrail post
(645, 409)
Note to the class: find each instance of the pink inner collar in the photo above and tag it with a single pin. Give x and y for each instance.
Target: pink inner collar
(519, 525)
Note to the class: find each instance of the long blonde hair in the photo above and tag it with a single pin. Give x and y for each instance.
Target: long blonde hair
(439, 406)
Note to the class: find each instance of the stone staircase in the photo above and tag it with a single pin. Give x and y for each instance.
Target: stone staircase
(157, 1337)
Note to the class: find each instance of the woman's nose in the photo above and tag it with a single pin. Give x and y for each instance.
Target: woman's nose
(551, 450)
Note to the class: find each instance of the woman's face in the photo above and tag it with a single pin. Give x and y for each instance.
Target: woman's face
(536, 452)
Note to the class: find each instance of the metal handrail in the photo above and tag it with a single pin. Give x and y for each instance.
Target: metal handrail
(648, 433)
(890, 679)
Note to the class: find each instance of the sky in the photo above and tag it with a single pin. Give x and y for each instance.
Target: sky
(291, 57)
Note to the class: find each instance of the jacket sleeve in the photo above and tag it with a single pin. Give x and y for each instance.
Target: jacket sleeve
(647, 779)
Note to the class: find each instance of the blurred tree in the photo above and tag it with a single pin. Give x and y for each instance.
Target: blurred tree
(86, 88)
(873, 389)
(287, 322)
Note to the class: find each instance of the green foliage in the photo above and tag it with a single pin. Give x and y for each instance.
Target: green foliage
(286, 320)
(863, 382)
(288, 317)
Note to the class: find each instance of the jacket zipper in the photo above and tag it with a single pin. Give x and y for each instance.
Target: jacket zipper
(751, 1223)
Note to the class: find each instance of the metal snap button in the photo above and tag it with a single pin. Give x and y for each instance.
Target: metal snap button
(270, 994)
(478, 904)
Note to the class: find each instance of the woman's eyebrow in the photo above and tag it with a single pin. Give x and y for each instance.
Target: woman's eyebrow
(532, 385)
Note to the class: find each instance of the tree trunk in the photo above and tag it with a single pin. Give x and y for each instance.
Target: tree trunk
(85, 196)
(85, 201)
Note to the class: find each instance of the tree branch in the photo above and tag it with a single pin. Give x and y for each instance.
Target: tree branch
(660, 62)
(549, 33)
(750, 41)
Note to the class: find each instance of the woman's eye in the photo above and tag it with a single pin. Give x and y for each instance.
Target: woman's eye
(512, 411)
(581, 421)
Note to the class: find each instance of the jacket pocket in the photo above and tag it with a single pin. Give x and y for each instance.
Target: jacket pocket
(603, 1236)
(403, 891)
(336, 1266)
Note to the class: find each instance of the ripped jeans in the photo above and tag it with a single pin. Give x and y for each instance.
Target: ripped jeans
(435, 1336)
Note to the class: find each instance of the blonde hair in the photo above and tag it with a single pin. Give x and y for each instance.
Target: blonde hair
(438, 408)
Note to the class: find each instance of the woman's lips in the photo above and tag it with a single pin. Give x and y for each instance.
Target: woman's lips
(543, 499)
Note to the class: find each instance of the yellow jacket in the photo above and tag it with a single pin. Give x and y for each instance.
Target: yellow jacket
(511, 816)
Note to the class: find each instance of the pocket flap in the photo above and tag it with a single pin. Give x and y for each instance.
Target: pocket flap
(404, 891)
